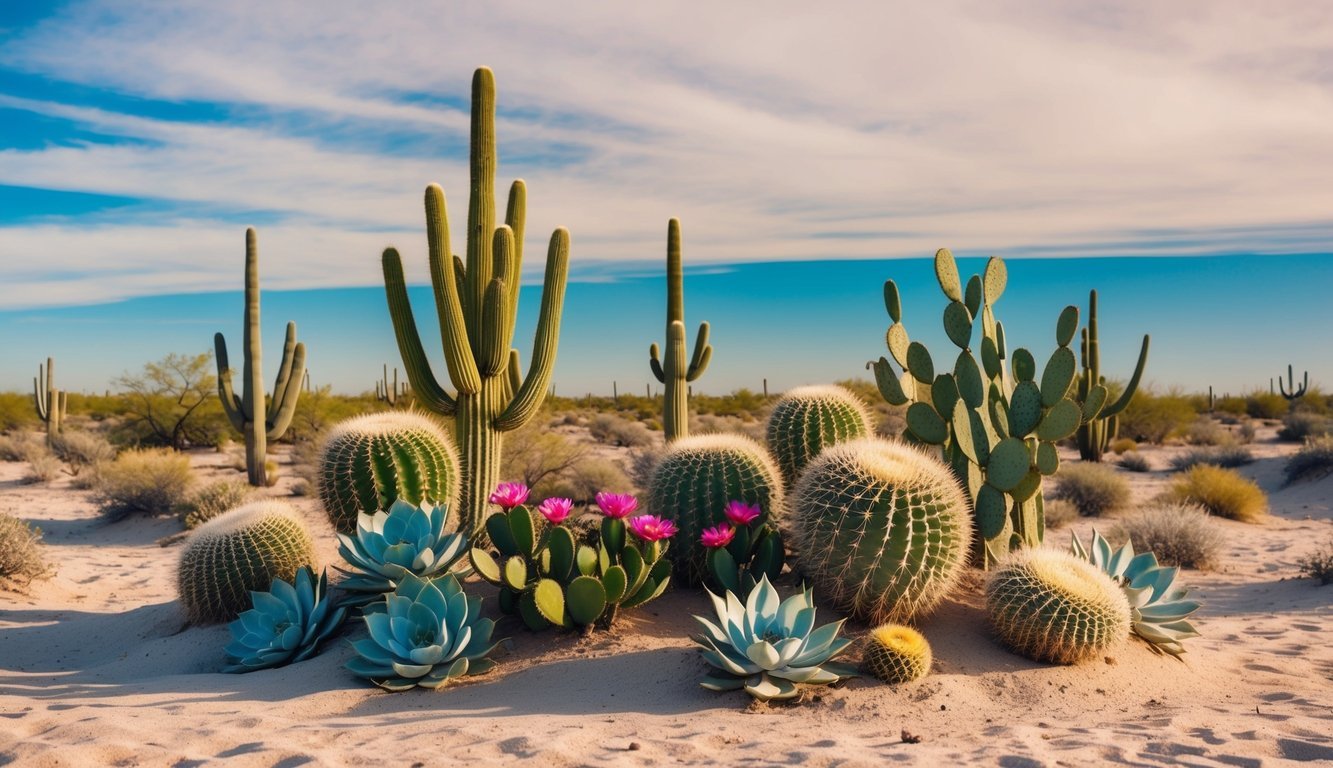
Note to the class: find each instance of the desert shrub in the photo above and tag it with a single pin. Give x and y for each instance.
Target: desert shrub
(1302, 425)
(21, 556)
(1177, 534)
(16, 411)
(1152, 417)
(1226, 456)
(21, 446)
(172, 402)
(582, 482)
(1221, 492)
(1093, 489)
(1265, 405)
(1246, 432)
(212, 500)
(42, 468)
(642, 463)
(150, 480)
(81, 450)
(1313, 460)
(613, 430)
(709, 424)
(1059, 512)
(1205, 431)
(1123, 445)
(540, 458)
(1135, 462)
(1232, 406)
(1319, 564)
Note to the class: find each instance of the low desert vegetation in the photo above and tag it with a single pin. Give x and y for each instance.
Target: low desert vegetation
(1303, 425)
(1229, 456)
(1152, 417)
(1179, 534)
(1266, 405)
(1095, 490)
(1319, 564)
(1222, 492)
(1059, 513)
(1133, 461)
(83, 450)
(1123, 445)
(1313, 461)
(43, 467)
(21, 551)
(152, 481)
(1206, 431)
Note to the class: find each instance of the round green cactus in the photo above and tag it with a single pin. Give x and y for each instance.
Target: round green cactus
(238, 552)
(370, 461)
(696, 478)
(897, 654)
(807, 420)
(882, 528)
(1052, 606)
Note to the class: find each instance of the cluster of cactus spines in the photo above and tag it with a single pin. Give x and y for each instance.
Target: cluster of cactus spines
(257, 420)
(695, 479)
(241, 551)
(897, 654)
(672, 370)
(1053, 606)
(1289, 390)
(1101, 419)
(807, 420)
(370, 461)
(52, 404)
(477, 303)
(881, 528)
(997, 430)
(387, 391)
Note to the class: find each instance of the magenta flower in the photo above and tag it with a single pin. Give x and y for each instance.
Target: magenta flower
(718, 536)
(555, 510)
(617, 505)
(509, 495)
(651, 527)
(740, 513)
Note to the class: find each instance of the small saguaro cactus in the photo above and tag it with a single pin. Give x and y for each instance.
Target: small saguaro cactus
(1102, 419)
(477, 303)
(52, 404)
(1289, 390)
(387, 391)
(257, 420)
(672, 369)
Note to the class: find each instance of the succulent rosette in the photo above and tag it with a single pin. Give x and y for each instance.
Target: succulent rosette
(391, 545)
(287, 624)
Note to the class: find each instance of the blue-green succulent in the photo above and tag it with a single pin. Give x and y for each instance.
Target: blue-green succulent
(287, 624)
(390, 545)
(425, 633)
(767, 647)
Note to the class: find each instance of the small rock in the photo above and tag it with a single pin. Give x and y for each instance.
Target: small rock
(910, 738)
(634, 746)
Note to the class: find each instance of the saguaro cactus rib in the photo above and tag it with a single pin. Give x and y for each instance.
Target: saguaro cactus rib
(1101, 420)
(673, 371)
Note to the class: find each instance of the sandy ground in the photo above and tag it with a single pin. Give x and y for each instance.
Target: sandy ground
(98, 668)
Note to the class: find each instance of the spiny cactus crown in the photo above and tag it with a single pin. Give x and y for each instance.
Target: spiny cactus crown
(806, 420)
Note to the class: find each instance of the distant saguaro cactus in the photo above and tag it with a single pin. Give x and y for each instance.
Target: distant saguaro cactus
(1094, 436)
(257, 420)
(387, 391)
(52, 404)
(673, 371)
(1288, 390)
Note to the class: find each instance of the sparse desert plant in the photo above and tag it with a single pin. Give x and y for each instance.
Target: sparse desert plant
(21, 551)
(807, 420)
(42, 468)
(1302, 425)
(881, 528)
(1227, 456)
(1313, 460)
(1319, 564)
(237, 553)
(1152, 417)
(16, 412)
(541, 458)
(170, 402)
(1059, 512)
(1123, 445)
(21, 446)
(149, 480)
(1205, 431)
(213, 499)
(287, 624)
(1266, 405)
(642, 464)
(1222, 492)
(81, 450)
(589, 476)
(389, 545)
(1133, 461)
(1246, 432)
(897, 654)
(1096, 490)
(1178, 534)
(614, 430)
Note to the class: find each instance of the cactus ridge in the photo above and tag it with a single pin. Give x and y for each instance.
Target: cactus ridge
(1052, 606)
(369, 461)
(882, 528)
(897, 654)
(1101, 419)
(236, 553)
(806, 420)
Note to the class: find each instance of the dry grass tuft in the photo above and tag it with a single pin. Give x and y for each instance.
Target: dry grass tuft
(1094, 489)
(1222, 492)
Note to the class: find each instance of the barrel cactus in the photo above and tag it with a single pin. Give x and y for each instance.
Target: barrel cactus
(371, 461)
(882, 528)
(897, 654)
(695, 480)
(239, 552)
(1054, 606)
(807, 420)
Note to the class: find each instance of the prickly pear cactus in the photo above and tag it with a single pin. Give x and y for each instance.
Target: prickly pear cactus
(897, 654)
(695, 480)
(370, 461)
(806, 420)
(882, 528)
(1052, 606)
(241, 551)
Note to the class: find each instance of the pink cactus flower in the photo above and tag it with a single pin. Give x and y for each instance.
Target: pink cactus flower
(651, 527)
(509, 495)
(718, 536)
(740, 513)
(555, 510)
(617, 505)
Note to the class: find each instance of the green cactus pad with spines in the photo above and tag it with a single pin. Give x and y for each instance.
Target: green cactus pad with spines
(585, 599)
(1025, 409)
(892, 303)
(695, 479)
(946, 273)
(1009, 463)
(881, 528)
(1061, 421)
(1066, 326)
(897, 342)
(1057, 376)
(370, 461)
(926, 424)
(1048, 460)
(919, 363)
(1055, 607)
(807, 420)
(958, 323)
(897, 654)
(238, 552)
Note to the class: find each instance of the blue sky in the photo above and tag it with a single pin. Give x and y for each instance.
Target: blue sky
(140, 139)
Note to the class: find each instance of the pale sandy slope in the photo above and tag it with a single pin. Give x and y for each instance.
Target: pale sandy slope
(97, 668)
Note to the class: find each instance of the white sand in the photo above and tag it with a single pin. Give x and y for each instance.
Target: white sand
(96, 668)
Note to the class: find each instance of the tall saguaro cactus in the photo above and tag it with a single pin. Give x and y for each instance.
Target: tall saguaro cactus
(387, 392)
(1095, 435)
(673, 370)
(1289, 390)
(258, 420)
(51, 403)
(477, 303)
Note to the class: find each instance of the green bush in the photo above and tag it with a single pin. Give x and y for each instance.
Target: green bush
(1152, 417)
(1265, 405)
(16, 411)
(1221, 492)
(150, 480)
(21, 557)
(1180, 535)
(1094, 489)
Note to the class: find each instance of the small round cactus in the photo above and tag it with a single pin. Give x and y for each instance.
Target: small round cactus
(238, 552)
(1052, 606)
(807, 420)
(882, 528)
(694, 481)
(370, 461)
(897, 654)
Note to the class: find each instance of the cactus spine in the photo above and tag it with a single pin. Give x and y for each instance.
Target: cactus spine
(673, 371)
(258, 421)
(52, 404)
(1289, 390)
(807, 420)
(477, 303)
(387, 392)
(1102, 420)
